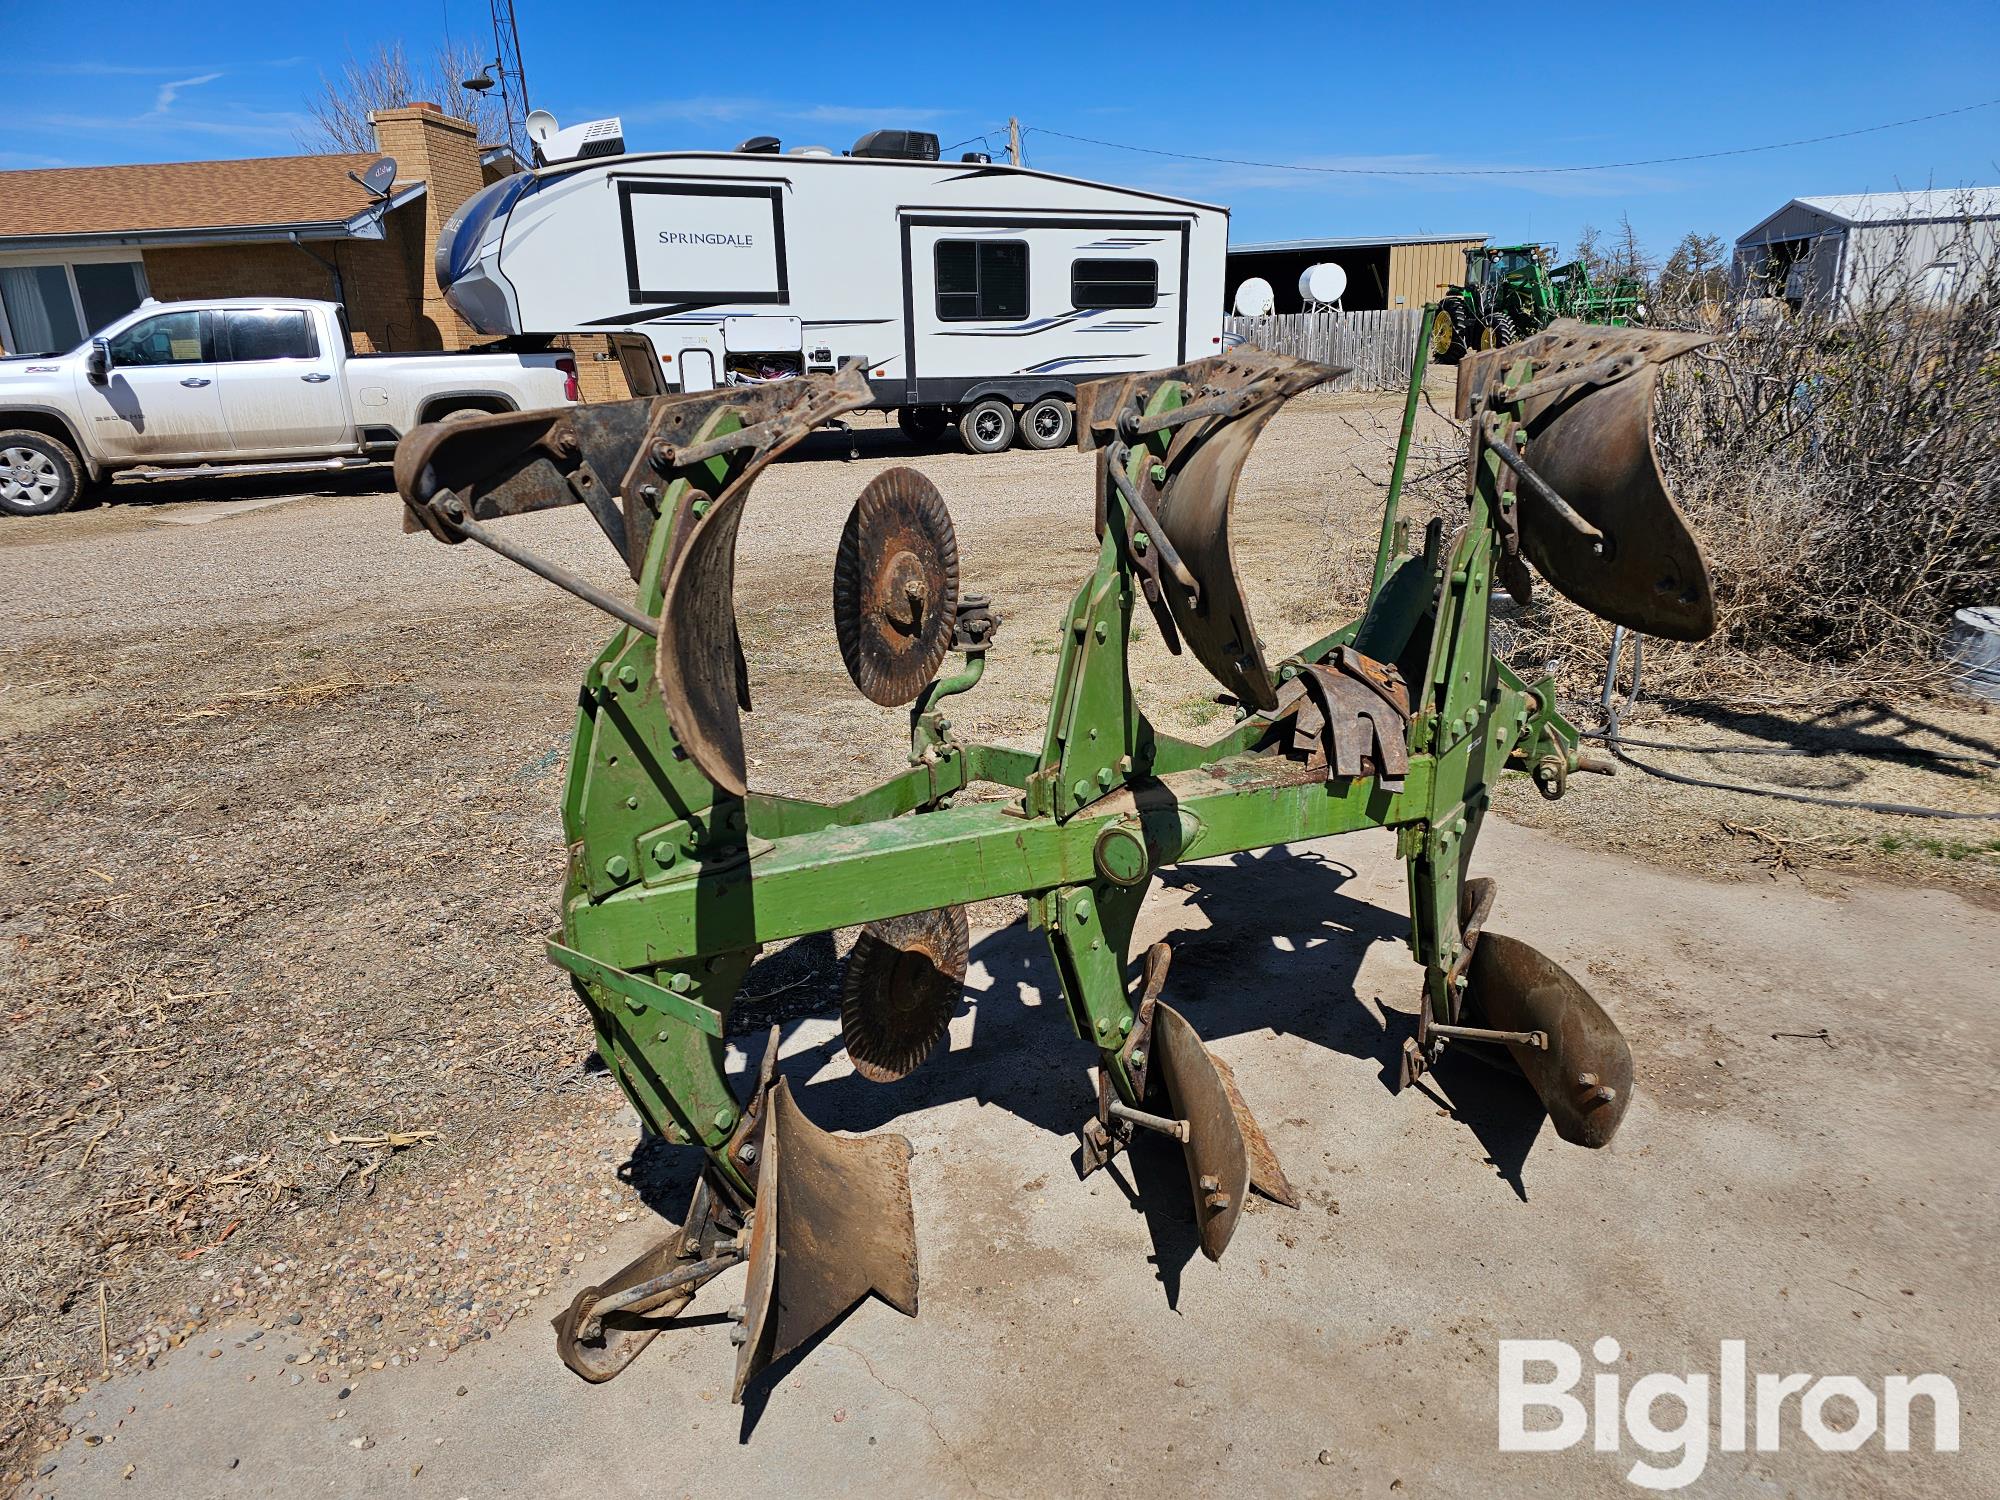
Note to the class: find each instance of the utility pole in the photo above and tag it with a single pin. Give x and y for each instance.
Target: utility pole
(1013, 140)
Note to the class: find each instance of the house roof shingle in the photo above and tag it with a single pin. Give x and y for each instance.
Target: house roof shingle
(182, 195)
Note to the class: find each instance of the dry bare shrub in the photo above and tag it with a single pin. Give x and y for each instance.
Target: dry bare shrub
(1840, 462)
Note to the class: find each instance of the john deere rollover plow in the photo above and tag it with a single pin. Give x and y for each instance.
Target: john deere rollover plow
(680, 871)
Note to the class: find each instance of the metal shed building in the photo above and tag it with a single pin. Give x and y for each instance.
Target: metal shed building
(1382, 271)
(1843, 244)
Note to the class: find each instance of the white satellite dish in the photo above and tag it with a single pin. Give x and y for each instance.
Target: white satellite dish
(1324, 284)
(1254, 298)
(540, 125)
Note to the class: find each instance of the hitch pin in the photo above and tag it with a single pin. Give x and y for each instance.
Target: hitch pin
(1542, 489)
(1178, 1129)
(1114, 460)
(1539, 1040)
(452, 509)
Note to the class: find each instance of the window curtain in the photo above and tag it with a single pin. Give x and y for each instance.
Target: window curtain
(40, 310)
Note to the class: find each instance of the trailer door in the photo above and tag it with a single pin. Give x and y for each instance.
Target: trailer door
(1039, 301)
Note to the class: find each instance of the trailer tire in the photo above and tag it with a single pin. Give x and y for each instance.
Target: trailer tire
(922, 425)
(987, 426)
(1048, 423)
(39, 475)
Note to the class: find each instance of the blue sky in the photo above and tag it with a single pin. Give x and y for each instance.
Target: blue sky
(1335, 86)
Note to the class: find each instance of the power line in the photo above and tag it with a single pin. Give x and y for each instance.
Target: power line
(1605, 166)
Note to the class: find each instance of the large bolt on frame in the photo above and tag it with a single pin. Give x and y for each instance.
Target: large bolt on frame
(680, 871)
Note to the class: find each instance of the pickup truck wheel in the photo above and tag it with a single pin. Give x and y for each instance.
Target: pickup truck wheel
(987, 426)
(1049, 423)
(39, 475)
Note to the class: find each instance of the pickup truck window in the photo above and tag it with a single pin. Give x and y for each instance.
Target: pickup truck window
(266, 333)
(170, 339)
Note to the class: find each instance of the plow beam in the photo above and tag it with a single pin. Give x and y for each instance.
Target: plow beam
(833, 1222)
(1585, 454)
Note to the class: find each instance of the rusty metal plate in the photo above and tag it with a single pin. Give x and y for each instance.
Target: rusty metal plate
(1266, 1175)
(903, 982)
(699, 664)
(1194, 503)
(833, 1222)
(1218, 1160)
(1584, 1078)
(1594, 445)
(895, 587)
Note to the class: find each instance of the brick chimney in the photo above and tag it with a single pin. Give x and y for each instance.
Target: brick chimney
(442, 152)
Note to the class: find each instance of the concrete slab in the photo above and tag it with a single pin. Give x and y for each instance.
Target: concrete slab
(1831, 1205)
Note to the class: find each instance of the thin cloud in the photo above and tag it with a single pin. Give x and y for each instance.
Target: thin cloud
(111, 70)
(273, 129)
(852, 114)
(164, 100)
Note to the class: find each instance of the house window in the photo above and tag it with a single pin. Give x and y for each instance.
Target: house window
(267, 333)
(51, 307)
(1114, 283)
(981, 280)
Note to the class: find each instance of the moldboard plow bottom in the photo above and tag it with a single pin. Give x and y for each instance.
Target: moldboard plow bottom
(680, 872)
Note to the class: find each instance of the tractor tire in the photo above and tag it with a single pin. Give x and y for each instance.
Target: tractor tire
(1451, 331)
(1048, 423)
(987, 426)
(922, 425)
(39, 475)
(1504, 331)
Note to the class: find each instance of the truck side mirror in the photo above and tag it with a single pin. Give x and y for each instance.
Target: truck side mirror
(97, 363)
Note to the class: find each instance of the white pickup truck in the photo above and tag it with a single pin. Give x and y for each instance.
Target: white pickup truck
(234, 381)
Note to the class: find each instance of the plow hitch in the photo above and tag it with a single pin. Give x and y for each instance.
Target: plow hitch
(681, 871)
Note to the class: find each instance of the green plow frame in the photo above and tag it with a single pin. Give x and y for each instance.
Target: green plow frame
(680, 872)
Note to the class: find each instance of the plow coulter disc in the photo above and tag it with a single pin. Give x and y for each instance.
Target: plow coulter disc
(895, 587)
(903, 981)
(833, 1222)
(1584, 1078)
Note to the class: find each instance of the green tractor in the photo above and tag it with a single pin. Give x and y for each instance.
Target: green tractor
(1511, 292)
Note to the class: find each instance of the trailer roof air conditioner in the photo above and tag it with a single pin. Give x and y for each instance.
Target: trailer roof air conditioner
(898, 145)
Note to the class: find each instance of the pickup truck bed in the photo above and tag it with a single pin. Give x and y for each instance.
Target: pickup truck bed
(235, 381)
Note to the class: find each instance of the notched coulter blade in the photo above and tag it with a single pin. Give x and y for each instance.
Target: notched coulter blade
(895, 587)
(903, 983)
(833, 1222)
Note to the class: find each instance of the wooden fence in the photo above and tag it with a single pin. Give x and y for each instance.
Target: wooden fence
(1377, 346)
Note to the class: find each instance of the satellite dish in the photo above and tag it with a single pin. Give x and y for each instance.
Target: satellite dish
(1323, 283)
(540, 125)
(1254, 298)
(378, 179)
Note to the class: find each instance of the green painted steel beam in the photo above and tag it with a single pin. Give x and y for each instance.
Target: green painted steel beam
(844, 875)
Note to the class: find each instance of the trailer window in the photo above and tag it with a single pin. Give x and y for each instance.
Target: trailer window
(981, 280)
(1114, 283)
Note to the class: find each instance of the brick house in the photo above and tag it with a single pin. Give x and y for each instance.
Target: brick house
(80, 246)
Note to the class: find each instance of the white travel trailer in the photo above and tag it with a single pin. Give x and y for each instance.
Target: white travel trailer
(974, 293)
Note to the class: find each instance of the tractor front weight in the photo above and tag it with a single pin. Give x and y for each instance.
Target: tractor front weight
(681, 872)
